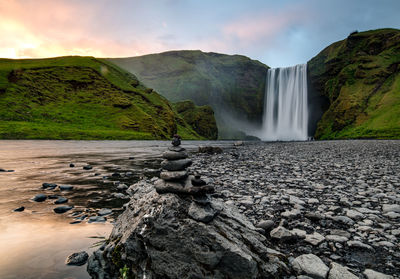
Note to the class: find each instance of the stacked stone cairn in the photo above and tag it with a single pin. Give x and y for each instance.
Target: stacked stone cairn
(174, 177)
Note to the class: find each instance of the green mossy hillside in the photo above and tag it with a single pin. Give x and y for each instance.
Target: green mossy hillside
(80, 98)
(233, 85)
(200, 118)
(360, 79)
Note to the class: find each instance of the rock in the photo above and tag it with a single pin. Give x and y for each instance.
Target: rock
(19, 209)
(291, 213)
(267, 225)
(62, 209)
(173, 175)
(104, 212)
(343, 219)
(49, 185)
(66, 187)
(2, 170)
(359, 244)
(176, 140)
(282, 234)
(310, 265)
(172, 155)
(314, 216)
(156, 235)
(87, 167)
(353, 214)
(392, 215)
(200, 213)
(71, 165)
(120, 196)
(372, 274)
(79, 258)
(39, 198)
(97, 219)
(197, 181)
(340, 272)
(314, 238)
(176, 148)
(122, 187)
(61, 200)
(238, 143)
(210, 149)
(391, 208)
(181, 187)
(176, 165)
(336, 238)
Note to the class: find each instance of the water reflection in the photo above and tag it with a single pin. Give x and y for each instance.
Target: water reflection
(36, 242)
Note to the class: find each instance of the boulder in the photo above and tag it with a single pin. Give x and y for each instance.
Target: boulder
(310, 265)
(340, 272)
(157, 237)
(372, 274)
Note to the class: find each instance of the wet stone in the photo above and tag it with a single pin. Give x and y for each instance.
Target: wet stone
(49, 185)
(62, 209)
(19, 209)
(39, 198)
(61, 200)
(87, 167)
(104, 212)
(78, 259)
(66, 187)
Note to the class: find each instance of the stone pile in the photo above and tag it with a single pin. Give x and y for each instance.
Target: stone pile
(174, 177)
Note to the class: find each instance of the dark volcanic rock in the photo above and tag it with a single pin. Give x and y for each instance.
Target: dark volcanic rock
(19, 209)
(71, 165)
(61, 200)
(157, 238)
(66, 187)
(79, 258)
(87, 167)
(176, 165)
(62, 209)
(49, 185)
(39, 198)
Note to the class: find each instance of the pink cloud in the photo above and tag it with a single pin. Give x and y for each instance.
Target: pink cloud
(263, 26)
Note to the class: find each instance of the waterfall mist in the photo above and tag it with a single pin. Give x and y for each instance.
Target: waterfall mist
(285, 104)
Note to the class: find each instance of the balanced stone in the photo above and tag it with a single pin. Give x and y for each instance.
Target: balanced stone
(176, 148)
(176, 165)
(181, 187)
(173, 155)
(173, 175)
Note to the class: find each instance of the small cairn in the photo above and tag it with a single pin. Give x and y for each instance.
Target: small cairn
(174, 177)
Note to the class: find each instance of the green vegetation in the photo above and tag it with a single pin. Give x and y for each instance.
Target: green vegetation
(81, 98)
(360, 77)
(201, 119)
(232, 85)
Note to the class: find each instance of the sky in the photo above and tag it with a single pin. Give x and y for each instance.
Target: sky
(278, 33)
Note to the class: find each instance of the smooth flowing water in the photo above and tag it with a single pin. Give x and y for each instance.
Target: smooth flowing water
(285, 110)
(35, 243)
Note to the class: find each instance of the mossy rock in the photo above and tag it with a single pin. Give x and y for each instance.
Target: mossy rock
(360, 78)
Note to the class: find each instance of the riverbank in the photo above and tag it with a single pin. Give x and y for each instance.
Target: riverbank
(339, 200)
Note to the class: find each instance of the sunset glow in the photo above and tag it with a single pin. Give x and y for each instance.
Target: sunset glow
(263, 30)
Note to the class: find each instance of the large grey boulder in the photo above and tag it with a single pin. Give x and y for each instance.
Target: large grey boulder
(158, 236)
(310, 265)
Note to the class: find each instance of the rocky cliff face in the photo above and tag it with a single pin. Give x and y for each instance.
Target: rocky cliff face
(357, 83)
(233, 85)
(176, 236)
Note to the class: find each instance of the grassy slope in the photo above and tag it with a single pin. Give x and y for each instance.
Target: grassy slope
(361, 78)
(201, 118)
(230, 83)
(81, 98)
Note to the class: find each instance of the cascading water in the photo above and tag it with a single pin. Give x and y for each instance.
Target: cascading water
(285, 107)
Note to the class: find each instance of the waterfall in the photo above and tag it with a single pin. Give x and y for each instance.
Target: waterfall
(285, 104)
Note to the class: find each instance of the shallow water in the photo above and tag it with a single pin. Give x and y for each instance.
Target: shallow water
(35, 243)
